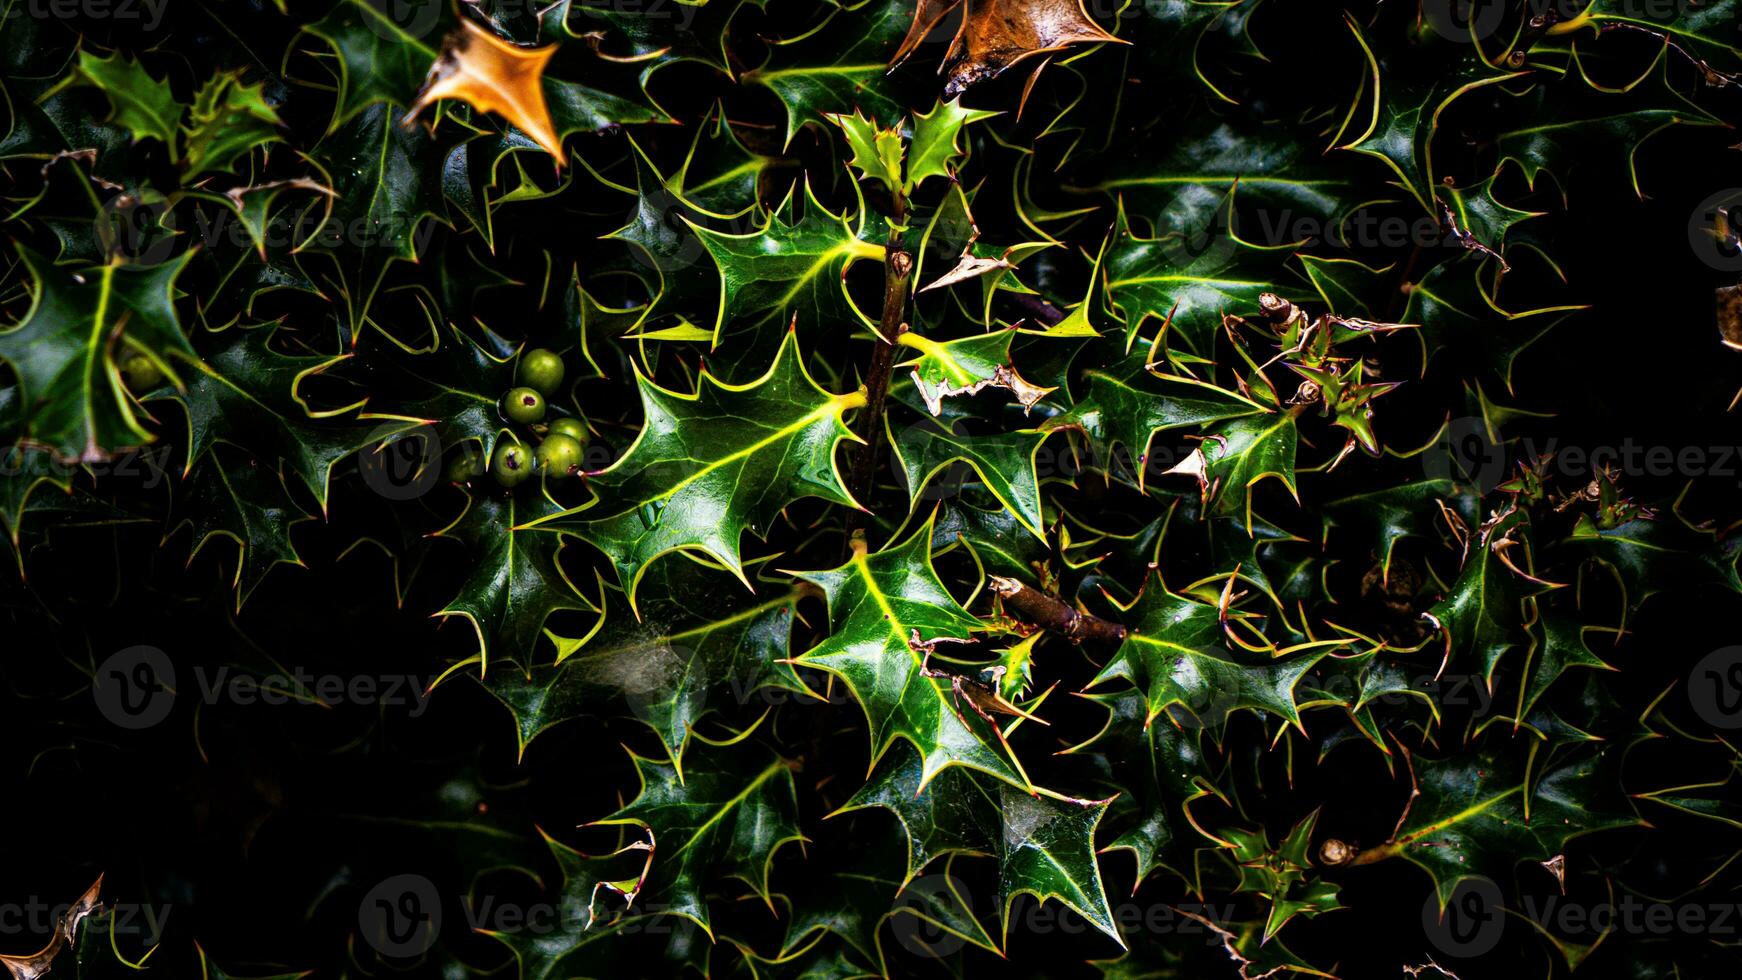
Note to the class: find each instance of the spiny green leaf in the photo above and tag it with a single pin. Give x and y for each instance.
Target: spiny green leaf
(66, 349)
(515, 582)
(1484, 813)
(789, 266)
(697, 646)
(880, 606)
(877, 152)
(708, 466)
(140, 102)
(936, 149)
(713, 823)
(1174, 654)
(1005, 463)
(1044, 844)
(226, 120)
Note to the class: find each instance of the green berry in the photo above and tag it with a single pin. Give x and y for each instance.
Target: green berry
(559, 455)
(512, 463)
(140, 372)
(523, 405)
(573, 428)
(541, 369)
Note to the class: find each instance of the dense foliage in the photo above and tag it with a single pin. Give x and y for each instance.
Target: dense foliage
(847, 487)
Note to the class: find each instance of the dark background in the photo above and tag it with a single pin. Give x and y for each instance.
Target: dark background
(260, 827)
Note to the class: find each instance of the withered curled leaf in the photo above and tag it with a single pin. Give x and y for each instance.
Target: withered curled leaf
(996, 34)
(492, 75)
(66, 928)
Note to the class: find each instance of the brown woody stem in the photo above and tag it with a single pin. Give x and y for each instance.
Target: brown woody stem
(1053, 615)
(897, 271)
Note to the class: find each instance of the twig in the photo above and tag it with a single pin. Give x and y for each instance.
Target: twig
(1393, 847)
(1416, 971)
(897, 269)
(1229, 941)
(1053, 615)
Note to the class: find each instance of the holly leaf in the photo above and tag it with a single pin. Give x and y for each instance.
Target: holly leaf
(449, 384)
(1162, 770)
(1562, 143)
(1184, 188)
(789, 266)
(996, 34)
(248, 393)
(994, 535)
(386, 179)
(1482, 814)
(713, 822)
(1237, 455)
(1128, 403)
(719, 173)
(966, 366)
(590, 928)
(1043, 843)
(1176, 34)
(1702, 33)
(515, 581)
(821, 958)
(857, 44)
(936, 149)
(1389, 515)
(877, 152)
(144, 105)
(65, 352)
(226, 121)
(378, 58)
(1648, 556)
(1481, 617)
(1557, 645)
(1279, 874)
(1478, 221)
(231, 496)
(886, 611)
(697, 647)
(1004, 461)
(1455, 309)
(708, 466)
(649, 33)
(1404, 115)
(1174, 654)
(1347, 286)
(1189, 274)
(493, 75)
